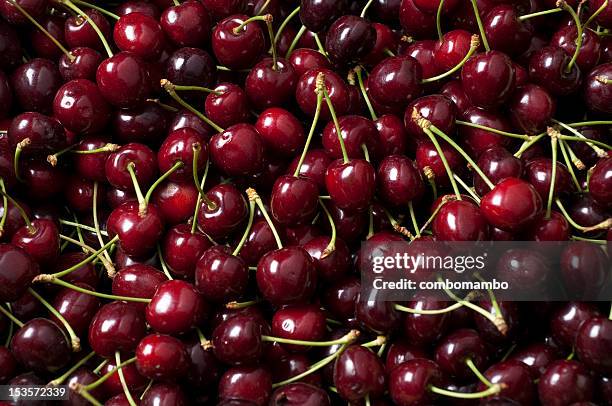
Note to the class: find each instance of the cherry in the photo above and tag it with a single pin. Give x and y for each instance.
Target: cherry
(10, 46)
(187, 24)
(117, 326)
(424, 328)
(36, 8)
(229, 211)
(237, 340)
(583, 269)
(593, 343)
(531, 108)
(409, 382)
(45, 134)
(511, 205)
(179, 147)
(41, 346)
(451, 49)
(227, 105)
(537, 357)
(491, 332)
(527, 269)
(358, 373)
(505, 32)
(40, 240)
(123, 80)
(161, 357)
(454, 91)
(488, 79)
(301, 394)
(78, 32)
(317, 15)
(565, 382)
(590, 49)
(8, 364)
(191, 66)
(222, 8)
(349, 39)
(17, 270)
(137, 7)
(271, 83)
(566, 322)
(458, 347)
(440, 110)
(144, 163)
(164, 393)
(139, 33)
(555, 228)
(400, 352)
(336, 89)
(138, 280)
(414, 21)
(238, 49)
(332, 266)
(138, 230)
(427, 157)
(80, 107)
(175, 308)
(182, 249)
(286, 276)
(547, 67)
(305, 59)
(599, 182)
(77, 308)
(356, 131)
(281, 131)
(460, 220)
(238, 150)
(300, 322)
(294, 200)
(220, 276)
(351, 184)
(246, 385)
(42, 45)
(586, 212)
(516, 380)
(478, 140)
(539, 173)
(146, 124)
(112, 386)
(395, 81)
(91, 166)
(597, 93)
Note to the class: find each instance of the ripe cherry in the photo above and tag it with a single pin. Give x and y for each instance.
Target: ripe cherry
(77, 308)
(349, 39)
(17, 270)
(237, 340)
(304, 59)
(511, 205)
(187, 24)
(117, 326)
(220, 276)
(409, 382)
(138, 280)
(336, 89)
(123, 80)
(138, 230)
(584, 269)
(80, 107)
(161, 357)
(294, 199)
(531, 108)
(351, 184)
(547, 67)
(179, 147)
(488, 79)
(78, 32)
(395, 81)
(175, 201)
(35, 83)
(238, 150)
(300, 322)
(597, 93)
(399, 181)
(565, 382)
(229, 210)
(299, 393)
(460, 220)
(175, 308)
(516, 380)
(590, 49)
(139, 33)
(45, 134)
(41, 346)
(271, 83)
(247, 385)
(238, 49)
(40, 240)
(227, 105)
(358, 373)
(505, 32)
(181, 250)
(593, 343)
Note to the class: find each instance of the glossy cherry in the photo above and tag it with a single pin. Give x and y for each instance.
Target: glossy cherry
(77, 308)
(460, 220)
(336, 89)
(229, 211)
(396, 81)
(238, 150)
(349, 38)
(584, 269)
(40, 241)
(191, 67)
(220, 276)
(246, 385)
(269, 85)
(599, 182)
(516, 378)
(511, 205)
(228, 106)
(547, 67)
(358, 373)
(409, 382)
(238, 50)
(17, 270)
(161, 357)
(531, 108)
(565, 382)
(139, 33)
(538, 172)
(41, 346)
(123, 80)
(478, 140)
(34, 85)
(351, 185)
(187, 24)
(138, 280)
(46, 134)
(117, 326)
(237, 340)
(138, 231)
(593, 342)
(488, 79)
(590, 49)
(175, 308)
(78, 32)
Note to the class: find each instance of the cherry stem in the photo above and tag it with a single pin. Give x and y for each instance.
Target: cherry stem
(592, 240)
(445, 199)
(196, 89)
(474, 44)
(78, 231)
(126, 390)
(365, 8)
(238, 29)
(610, 314)
(4, 207)
(106, 148)
(464, 154)
(10, 316)
(204, 342)
(594, 144)
(470, 364)
(268, 20)
(245, 236)
(539, 13)
(563, 4)
(163, 264)
(196, 152)
(331, 247)
(164, 106)
(554, 141)
(595, 14)
(348, 338)
(22, 212)
(332, 111)
(491, 295)
(170, 88)
(604, 225)
(98, 8)
(43, 30)
(431, 179)
(46, 278)
(396, 225)
(253, 196)
(95, 27)
(467, 188)
(485, 42)
(104, 377)
(284, 24)
(320, 83)
(320, 45)
(87, 260)
(201, 196)
(9, 335)
(364, 93)
(61, 379)
(18, 150)
(295, 41)
(572, 159)
(528, 143)
(75, 386)
(439, 20)
(413, 219)
(142, 203)
(234, 305)
(370, 223)
(97, 222)
(226, 69)
(411, 310)
(176, 2)
(177, 165)
(493, 390)
(263, 8)
(75, 342)
(523, 137)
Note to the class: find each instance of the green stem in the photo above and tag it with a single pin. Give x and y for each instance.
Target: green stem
(236, 30)
(523, 137)
(245, 236)
(332, 242)
(273, 44)
(601, 226)
(22, 212)
(88, 397)
(56, 281)
(75, 342)
(100, 9)
(415, 224)
(467, 188)
(348, 338)
(97, 222)
(169, 87)
(106, 148)
(194, 223)
(569, 165)
(370, 223)
(4, 207)
(315, 120)
(483, 36)
(177, 165)
(579, 38)
(539, 13)
(332, 111)
(595, 14)
(553, 177)
(295, 41)
(478, 374)
(365, 8)
(95, 27)
(431, 179)
(528, 143)
(320, 45)
(61, 379)
(445, 199)
(493, 390)
(364, 93)
(87, 260)
(253, 196)
(176, 2)
(473, 47)
(142, 203)
(107, 375)
(439, 20)
(286, 21)
(9, 335)
(447, 167)
(10, 316)
(194, 170)
(18, 150)
(163, 264)
(100, 366)
(196, 89)
(126, 390)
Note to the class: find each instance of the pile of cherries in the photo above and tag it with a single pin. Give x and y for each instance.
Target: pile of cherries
(185, 187)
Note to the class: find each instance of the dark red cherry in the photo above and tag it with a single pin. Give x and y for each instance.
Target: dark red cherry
(590, 49)
(555, 228)
(488, 79)
(34, 85)
(191, 67)
(227, 215)
(238, 150)
(17, 269)
(8, 364)
(137, 6)
(299, 394)
(531, 108)
(138, 280)
(118, 326)
(458, 347)
(46, 134)
(440, 110)
(451, 49)
(10, 47)
(77, 308)
(112, 386)
(489, 331)
(80, 107)
(516, 381)
(431, 6)
(526, 269)
(259, 241)
(427, 156)
(600, 181)
(316, 15)
(91, 166)
(336, 89)
(294, 199)
(415, 22)
(36, 8)
(478, 140)
(286, 276)
(181, 249)
(85, 274)
(123, 80)
(222, 8)
(396, 81)
(376, 314)
(409, 382)
(175, 308)
(536, 356)
(511, 205)
(399, 181)
(584, 269)
(228, 105)
(505, 32)
(161, 357)
(334, 265)
(593, 344)
(144, 163)
(597, 94)
(139, 232)
(237, 340)
(13, 221)
(185, 118)
(79, 194)
(146, 124)
(300, 322)
(565, 382)
(349, 39)
(351, 185)
(460, 220)
(40, 241)
(358, 373)
(281, 131)
(547, 67)
(221, 277)
(305, 59)
(566, 321)
(454, 91)
(392, 136)
(139, 33)
(42, 45)
(178, 147)
(400, 351)
(268, 85)
(356, 132)
(78, 32)
(187, 24)
(164, 394)
(314, 166)
(538, 172)
(424, 52)
(497, 164)
(423, 328)
(245, 385)
(41, 346)
(175, 201)
(238, 50)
